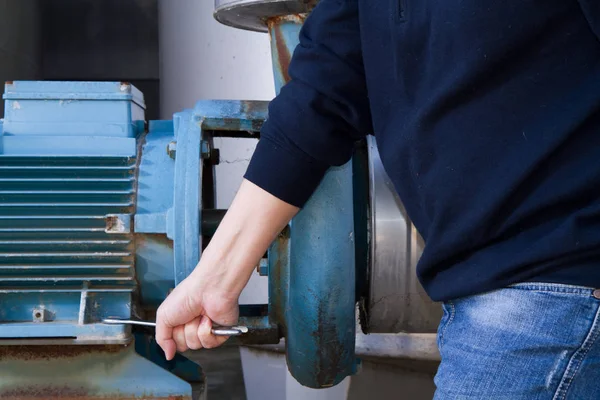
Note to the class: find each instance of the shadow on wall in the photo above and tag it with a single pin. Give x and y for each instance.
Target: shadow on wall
(20, 44)
(82, 40)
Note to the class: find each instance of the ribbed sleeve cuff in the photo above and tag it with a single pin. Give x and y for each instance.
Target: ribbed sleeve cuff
(289, 177)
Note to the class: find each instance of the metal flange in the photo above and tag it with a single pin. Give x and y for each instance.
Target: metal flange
(252, 15)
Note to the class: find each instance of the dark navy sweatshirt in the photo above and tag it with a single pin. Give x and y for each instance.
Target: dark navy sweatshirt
(487, 118)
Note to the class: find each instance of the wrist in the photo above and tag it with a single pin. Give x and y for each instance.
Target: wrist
(219, 274)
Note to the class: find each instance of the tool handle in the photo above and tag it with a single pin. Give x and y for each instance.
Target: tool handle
(229, 330)
(217, 330)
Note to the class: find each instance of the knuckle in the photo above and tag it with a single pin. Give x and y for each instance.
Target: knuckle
(195, 346)
(192, 340)
(210, 345)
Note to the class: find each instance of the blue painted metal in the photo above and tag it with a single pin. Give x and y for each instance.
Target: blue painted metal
(65, 109)
(80, 209)
(179, 366)
(321, 311)
(71, 179)
(154, 260)
(168, 215)
(190, 126)
(68, 164)
(183, 225)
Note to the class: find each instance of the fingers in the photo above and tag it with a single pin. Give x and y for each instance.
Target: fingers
(164, 336)
(208, 340)
(186, 336)
(179, 338)
(194, 335)
(191, 334)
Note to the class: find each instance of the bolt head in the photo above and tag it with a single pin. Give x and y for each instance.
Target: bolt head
(172, 149)
(263, 267)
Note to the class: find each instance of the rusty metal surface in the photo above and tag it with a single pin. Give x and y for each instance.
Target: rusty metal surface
(66, 393)
(253, 14)
(279, 278)
(284, 31)
(320, 314)
(48, 353)
(85, 372)
(261, 331)
(231, 115)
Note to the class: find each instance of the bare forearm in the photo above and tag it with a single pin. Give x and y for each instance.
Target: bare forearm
(250, 225)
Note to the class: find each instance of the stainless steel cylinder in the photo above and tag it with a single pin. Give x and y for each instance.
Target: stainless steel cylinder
(396, 300)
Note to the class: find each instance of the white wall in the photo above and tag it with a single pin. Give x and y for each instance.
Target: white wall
(203, 59)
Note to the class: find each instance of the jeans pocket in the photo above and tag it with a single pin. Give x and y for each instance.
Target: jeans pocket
(447, 317)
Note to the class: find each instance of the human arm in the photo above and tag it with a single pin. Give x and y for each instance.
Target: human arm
(312, 125)
(212, 290)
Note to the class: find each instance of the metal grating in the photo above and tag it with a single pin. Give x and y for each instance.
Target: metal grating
(53, 223)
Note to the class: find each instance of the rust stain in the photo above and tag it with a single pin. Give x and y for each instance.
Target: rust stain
(232, 123)
(44, 392)
(53, 352)
(279, 276)
(93, 398)
(331, 354)
(154, 237)
(280, 19)
(257, 125)
(259, 333)
(251, 107)
(284, 55)
(67, 393)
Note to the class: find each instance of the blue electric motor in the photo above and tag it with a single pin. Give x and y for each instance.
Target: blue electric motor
(102, 214)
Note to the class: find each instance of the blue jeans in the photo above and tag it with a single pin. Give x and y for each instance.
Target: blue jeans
(529, 341)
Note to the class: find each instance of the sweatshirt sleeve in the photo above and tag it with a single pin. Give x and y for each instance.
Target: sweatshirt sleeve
(321, 112)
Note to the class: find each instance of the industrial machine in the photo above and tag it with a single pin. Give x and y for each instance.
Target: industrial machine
(102, 213)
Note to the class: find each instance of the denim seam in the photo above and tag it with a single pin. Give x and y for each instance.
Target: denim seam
(554, 288)
(577, 359)
(452, 313)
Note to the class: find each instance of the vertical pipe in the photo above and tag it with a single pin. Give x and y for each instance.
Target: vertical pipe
(284, 33)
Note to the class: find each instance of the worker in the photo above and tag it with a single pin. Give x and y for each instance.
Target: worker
(487, 119)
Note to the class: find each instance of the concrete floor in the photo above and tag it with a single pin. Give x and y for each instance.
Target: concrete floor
(225, 380)
(223, 370)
